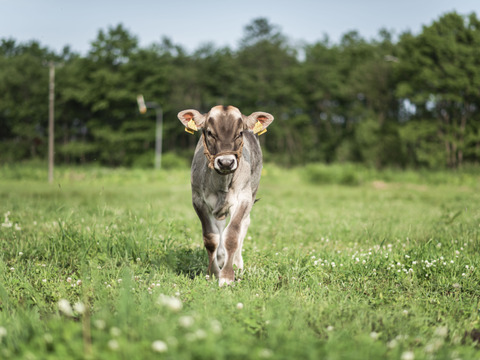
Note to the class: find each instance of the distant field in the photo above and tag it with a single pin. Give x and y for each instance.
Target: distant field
(341, 263)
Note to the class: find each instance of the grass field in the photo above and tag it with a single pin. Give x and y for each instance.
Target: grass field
(341, 263)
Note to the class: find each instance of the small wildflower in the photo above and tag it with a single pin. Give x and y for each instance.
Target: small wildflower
(12, 269)
(159, 346)
(114, 331)
(79, 282)
(69, 279)
(186, 321)
(113, 344)
(44, 280)
(79, 307)
(329, 328)
(64, 307)
(171, 302)
(265, 353)
(21, 253)
(374, 335)
(3, 332)
(48, 338)
(100, 324)
(392, 344)
(408, 355)
(119, 281)
(239, 306)
(200, 334)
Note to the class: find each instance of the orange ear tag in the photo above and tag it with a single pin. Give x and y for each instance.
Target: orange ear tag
(191, 127)
(258, 129)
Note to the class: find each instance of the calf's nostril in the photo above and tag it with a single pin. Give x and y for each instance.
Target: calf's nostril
(226, 163)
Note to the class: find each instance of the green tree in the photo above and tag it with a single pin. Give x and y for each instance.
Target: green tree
(440, 74)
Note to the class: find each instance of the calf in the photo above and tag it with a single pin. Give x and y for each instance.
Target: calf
(226, 170)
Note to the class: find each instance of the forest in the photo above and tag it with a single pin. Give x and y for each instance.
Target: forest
(403, 101)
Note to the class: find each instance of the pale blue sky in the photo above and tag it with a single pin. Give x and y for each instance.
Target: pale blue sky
(56, 23)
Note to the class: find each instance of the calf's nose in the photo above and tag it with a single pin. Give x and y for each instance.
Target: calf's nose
(226, 164)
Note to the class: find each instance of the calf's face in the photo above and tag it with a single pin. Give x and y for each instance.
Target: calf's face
(223, 129)
(223, 134)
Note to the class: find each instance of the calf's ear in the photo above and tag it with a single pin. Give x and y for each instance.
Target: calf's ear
(258, 121)
(186, 117)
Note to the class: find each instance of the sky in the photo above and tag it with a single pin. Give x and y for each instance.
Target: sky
(57, 23)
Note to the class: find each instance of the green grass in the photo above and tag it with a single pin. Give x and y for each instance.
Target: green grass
(341, 263)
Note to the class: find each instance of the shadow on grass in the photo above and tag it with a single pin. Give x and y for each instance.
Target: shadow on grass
(184, 261)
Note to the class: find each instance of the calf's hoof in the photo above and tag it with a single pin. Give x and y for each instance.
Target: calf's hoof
(224, 281)
(226, 277)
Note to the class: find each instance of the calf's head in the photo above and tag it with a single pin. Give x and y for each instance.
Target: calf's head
(223, 129)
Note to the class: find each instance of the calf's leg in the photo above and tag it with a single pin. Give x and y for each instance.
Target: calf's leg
(233, 241)
(211, 238)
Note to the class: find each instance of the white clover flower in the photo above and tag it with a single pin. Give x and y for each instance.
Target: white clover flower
(100, 324)
(170, 302)
(79, 282)
(79, 307)
(17, 227)
(200, 334)
(159, 346)
(64, 307)
(329, 328)
(3, 332)
(69, 279)
(48, 338)
(374, 335)
(113, 344)
(240, 306)
(265, 354)
(392, 344)
(114, 331)
(408, 355)
(186, 321)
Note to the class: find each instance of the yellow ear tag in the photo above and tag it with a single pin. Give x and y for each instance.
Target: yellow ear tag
(191, 127)
(258, 129)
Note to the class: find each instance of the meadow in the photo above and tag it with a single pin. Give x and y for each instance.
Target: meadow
(341, 262)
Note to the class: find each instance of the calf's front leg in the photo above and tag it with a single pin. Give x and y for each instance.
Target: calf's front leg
(211, 238)
(233, 241)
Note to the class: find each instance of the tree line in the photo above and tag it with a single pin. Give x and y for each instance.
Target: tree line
(409, 102)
